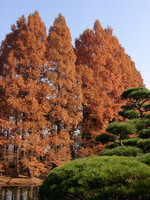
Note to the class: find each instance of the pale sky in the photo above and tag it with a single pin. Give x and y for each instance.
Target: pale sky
(130, 20)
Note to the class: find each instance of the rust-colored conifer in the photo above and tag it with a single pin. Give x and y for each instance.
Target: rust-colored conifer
(66, 101)
(65, 112)
(22, 79)
(105, 70)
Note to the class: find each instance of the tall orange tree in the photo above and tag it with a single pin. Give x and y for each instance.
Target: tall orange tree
(65, 112)
(23, 64)
(105, 70)
(66, 102)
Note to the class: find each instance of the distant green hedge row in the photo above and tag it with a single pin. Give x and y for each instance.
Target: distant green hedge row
(98, 177)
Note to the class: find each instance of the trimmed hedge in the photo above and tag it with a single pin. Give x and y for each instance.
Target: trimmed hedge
(98, 177)
(122, 151)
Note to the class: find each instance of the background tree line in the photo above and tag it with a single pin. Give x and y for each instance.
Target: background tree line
(49, 90)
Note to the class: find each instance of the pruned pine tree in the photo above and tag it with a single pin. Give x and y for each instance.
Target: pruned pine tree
(135, 111)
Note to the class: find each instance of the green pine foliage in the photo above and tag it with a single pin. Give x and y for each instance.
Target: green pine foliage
(131, 141)
(135, 92)
(145, 158)
(139, 124)
(147, 106)
(98, 177)
(123, 151)
(105, 138)
(121, 128)
(112, 145)
(147, 116)
(129, 114)
(145, 134)
(144, 145)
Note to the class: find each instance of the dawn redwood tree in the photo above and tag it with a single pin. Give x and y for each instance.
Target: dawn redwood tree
(105, 71)
(93, 100)
(65, 111)
(23, 63)
(66, 102)
(9, 58)
(60, 151)
(4, 126)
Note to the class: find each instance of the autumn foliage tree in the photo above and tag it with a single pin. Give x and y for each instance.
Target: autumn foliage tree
(106, 70)
(23, 63)
(66, 101)
(65, 112)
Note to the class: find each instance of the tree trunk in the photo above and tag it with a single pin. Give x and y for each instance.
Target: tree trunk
(16, 152)
(121, 141)
(29, 173)
(58, 128)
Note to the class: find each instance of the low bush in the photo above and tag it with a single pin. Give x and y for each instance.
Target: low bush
(98, 177)
(123, 151)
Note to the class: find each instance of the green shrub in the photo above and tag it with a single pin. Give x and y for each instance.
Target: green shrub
(112, 145)
(144, 144)
(105, 138)
(145, 158)
(121, 128)
(131, 141)
(122, 151)
(140, 123)
(126, 142)
(130, 114)
(147, 116)
(98, 177)
(145, 133)
(147, 106)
